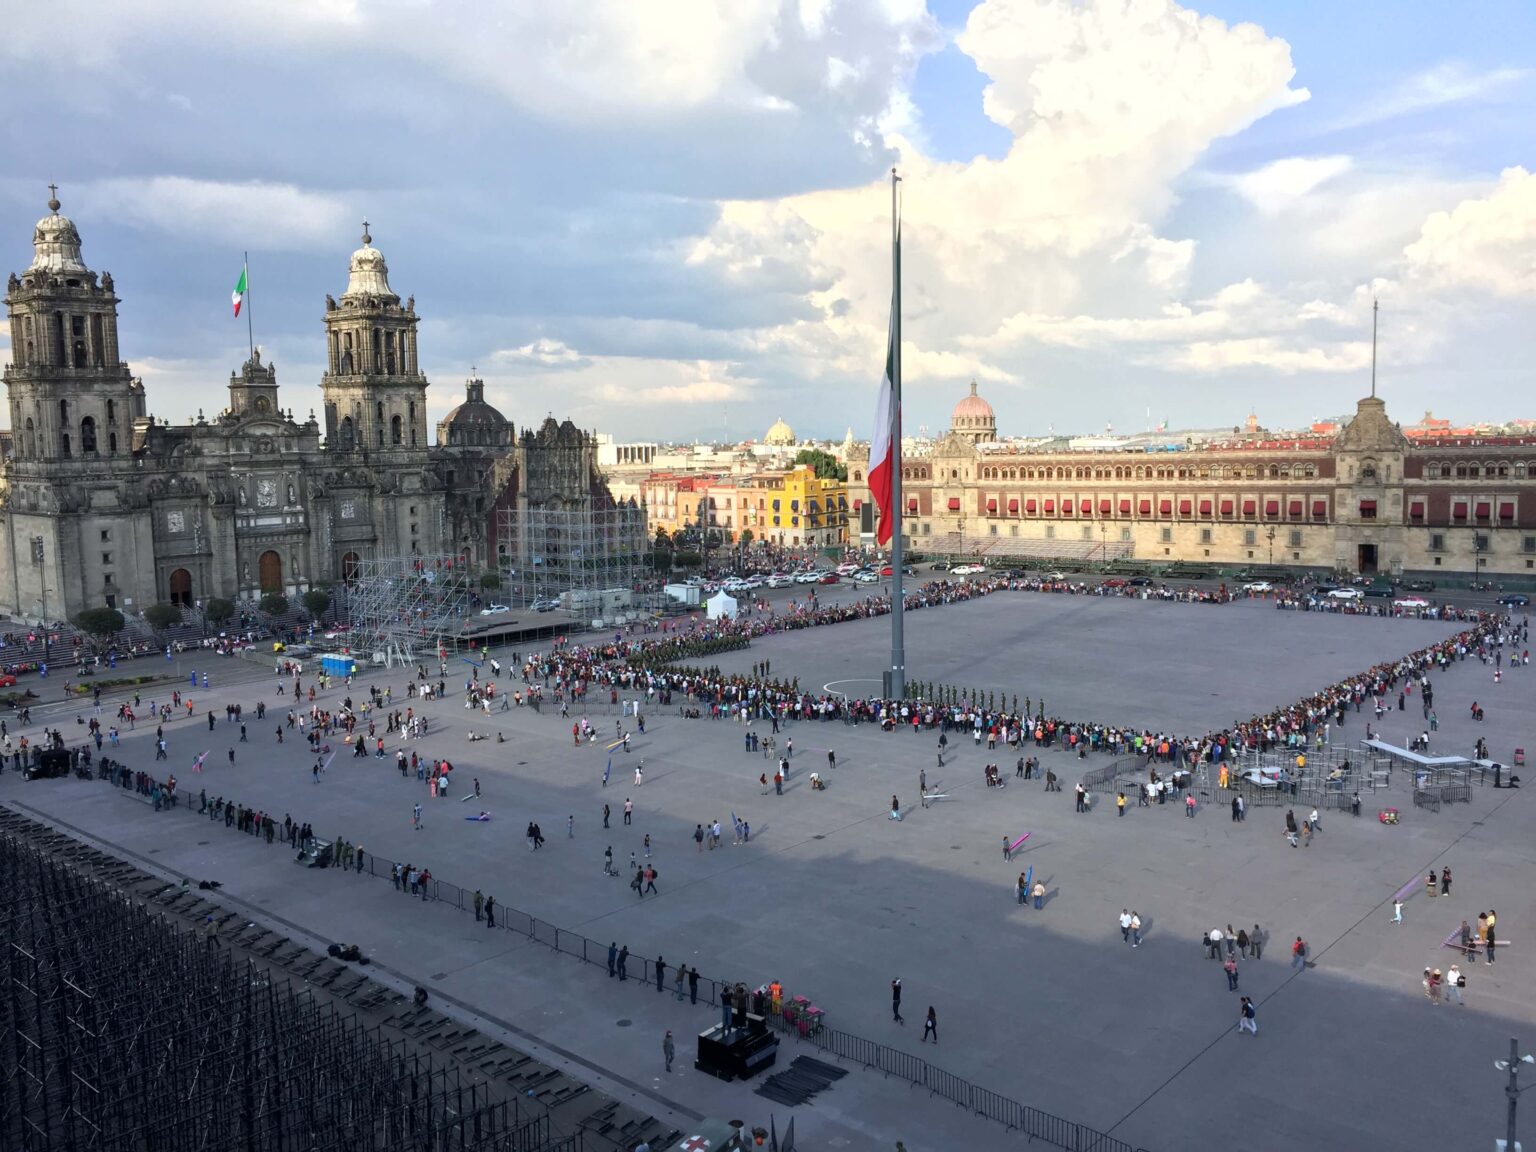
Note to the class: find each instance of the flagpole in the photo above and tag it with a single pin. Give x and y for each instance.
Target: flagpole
(897, 688)
(250, 330)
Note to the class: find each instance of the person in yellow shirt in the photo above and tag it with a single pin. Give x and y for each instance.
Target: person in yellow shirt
(1120, 803)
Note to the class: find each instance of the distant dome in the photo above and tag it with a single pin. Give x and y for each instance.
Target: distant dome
(56, 242)
(780, 435)
(973, 419)
(368, 274)
(474, 421)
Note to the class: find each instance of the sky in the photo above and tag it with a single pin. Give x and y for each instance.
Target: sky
(670, 219)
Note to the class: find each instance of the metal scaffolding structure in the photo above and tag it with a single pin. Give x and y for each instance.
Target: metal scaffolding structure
(124, 1033)
(590, 559)
(407, 608)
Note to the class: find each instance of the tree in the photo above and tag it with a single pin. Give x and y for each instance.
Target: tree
(218, 611)
(316, 601)
(746, 537)
(687, 559)
(162, 616)
(101, 624)
(274, 603)
(490, 580)
(663, 539)
(824, 464)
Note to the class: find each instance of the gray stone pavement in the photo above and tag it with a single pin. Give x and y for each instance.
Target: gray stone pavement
(834, 899)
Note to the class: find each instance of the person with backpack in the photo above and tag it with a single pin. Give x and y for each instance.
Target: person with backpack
(1299, 954)
(1247, 1017)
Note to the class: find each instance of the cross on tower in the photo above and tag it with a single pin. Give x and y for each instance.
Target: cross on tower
(367, 239)
(53, 197)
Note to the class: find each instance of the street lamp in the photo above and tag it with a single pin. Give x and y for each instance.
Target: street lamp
(1270, 536)
(1512, 1090)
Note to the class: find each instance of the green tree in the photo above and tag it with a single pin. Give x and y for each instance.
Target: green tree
(274, 603)
(101, 624)
(490, 580)
(316, 601)
(687, 559)
(747, 537)
(824, 464)
(218, 611)
(663, 539)
(162, 616)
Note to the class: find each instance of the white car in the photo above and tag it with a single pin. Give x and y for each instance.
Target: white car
(493, 609)
(1055, 577)
(1346, 594)
(780, 580)
(807, 577)
(969, 569)
(867, 577)
(846, 569)
(1412, 602)
(1259, 586)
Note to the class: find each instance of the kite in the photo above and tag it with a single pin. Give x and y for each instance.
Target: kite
(608, 771)
(1014, 847)
(197, 765)
(480, 819)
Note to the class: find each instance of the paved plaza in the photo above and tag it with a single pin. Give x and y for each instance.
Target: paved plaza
(835, 899)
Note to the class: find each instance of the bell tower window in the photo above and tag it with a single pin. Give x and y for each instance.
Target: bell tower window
(88, 434)
(395, 436)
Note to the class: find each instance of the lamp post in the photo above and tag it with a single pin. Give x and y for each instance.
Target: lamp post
(1270, 536)
(1103, 544)
(1512, 1090)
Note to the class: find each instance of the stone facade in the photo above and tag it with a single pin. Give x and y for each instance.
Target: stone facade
(1367, 500)
(101, 504)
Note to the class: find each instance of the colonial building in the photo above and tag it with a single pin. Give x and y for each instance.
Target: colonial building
(102, 504)
(470, 439)
(1362, 499)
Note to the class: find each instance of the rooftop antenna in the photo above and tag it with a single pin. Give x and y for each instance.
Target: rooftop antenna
(1375, 311)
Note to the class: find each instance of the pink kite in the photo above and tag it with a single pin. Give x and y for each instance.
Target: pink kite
(1014, 847)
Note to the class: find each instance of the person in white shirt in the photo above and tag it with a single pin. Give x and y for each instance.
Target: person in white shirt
(1453, 984)
(1125, 925)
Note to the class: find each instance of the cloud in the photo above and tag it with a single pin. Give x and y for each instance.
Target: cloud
(1279, 184)
(279, 216)
(1487, 243)
(1451, 82)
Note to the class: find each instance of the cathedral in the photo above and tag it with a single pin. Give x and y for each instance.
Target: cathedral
(101, 504)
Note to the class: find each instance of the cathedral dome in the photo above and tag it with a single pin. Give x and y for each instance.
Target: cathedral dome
(56, 242)
(368, 274)
(972, 408)
(780, 435)
(474, 421)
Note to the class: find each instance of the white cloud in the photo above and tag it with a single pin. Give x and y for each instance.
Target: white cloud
(1487, 243)
(275, 215)
(1451, 82)
(1281, 183)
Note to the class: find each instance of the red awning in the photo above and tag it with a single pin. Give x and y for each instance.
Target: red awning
(857, 503)
(1125, 507)
(1368, 507)
(912, 504)
(1507, 511)
(1250, 507)
(991, 503)
(1483, 508)
(1205, 507)
(1165, 507)
(1146, 507)
(1416, 510)
(1185, 506)
(1226, 507)
(1050, 507)
(954, 503)
(1013, 504)
(1104, 507)
(1459, 512)
(1271, 507)
(1296, 508)
(1319, 509)
(1029, 506)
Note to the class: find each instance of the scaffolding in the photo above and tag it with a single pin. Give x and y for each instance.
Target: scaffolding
(404, 609)
(125, 1033)
(593, 559)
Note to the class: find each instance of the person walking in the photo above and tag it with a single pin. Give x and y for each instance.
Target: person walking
(1256, 941)
(629, 810)
(1445, 880)
(1039, 895)
(1120, 803)
(661, 972)
(1125, 925)
(1306, 833)
(1230, 968)
(1135, 929)
(896, 1001)
(1489, 938)
(1453, 982)
(931, 1026)
(680, 973)
(1242, 943)
(416, 817)
(693, 985)
(1397, 910)
(1299, 954)
(613, 959)
(1021, 889)
(1432, 884)
(1247, 1017)
(622, 963)
(1007, 853)
(668, 1049)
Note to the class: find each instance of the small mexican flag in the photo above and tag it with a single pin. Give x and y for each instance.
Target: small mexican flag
(237, 297)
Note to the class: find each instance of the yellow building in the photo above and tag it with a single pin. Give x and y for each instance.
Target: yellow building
(793, 509)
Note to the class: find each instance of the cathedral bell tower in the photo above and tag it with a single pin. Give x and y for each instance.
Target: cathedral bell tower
(375, 394)
(73, 402)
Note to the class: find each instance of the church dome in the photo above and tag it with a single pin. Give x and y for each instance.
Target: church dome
(972, 408)
(56, 242)
(368, 274)
(474, 421)
(781, 434)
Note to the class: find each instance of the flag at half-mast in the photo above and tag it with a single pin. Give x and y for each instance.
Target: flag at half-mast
(882, 452)
(237, 297)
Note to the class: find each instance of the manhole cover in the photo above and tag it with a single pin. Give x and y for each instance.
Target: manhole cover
(625, 1023)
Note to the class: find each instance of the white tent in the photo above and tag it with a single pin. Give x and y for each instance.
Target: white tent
(720, 605)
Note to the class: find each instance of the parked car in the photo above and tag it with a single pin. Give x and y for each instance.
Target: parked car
(1139, 581)
(545, 605)
(807, 577)
(829, 578)
(867, 577)
(1114, 582)
(780, 580)
(1346, 594)
(846, 569)
(492, 609)
(1515, 599)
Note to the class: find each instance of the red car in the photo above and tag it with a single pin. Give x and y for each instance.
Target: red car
(886, 571)
(829, 578)
(1115, 583)
(7, 681)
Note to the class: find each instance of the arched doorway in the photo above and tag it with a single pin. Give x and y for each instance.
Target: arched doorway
(349, 566)
(181, 587)
(270, 572)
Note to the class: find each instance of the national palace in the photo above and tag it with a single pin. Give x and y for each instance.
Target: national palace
(1363, 498)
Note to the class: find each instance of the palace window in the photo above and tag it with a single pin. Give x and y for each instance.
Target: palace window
(1295, 537)
(1205, 535)
(1250, 536)
(1437, 542)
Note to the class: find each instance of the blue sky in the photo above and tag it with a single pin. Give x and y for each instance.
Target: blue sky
(655, 216)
